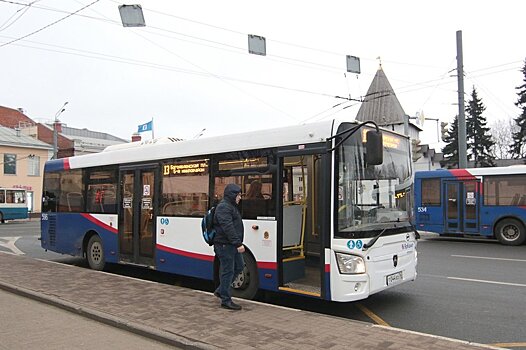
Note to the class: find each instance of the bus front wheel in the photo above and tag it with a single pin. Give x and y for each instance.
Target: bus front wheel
(510, 232)
(246, 284)
(95, 253)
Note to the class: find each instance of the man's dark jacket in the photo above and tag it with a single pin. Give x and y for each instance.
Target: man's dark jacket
(227, 219)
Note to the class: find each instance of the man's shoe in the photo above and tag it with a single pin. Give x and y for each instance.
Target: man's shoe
(216, 293)
(231, 306)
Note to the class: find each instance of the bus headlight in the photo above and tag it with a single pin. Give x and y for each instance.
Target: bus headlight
(350, 264)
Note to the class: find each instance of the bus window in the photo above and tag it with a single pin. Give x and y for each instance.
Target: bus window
(220, 184)
(430, 192)
(504, 190)
(257, 197)
(71, 187)
(51, 192)
(2, 196)
(185, 188)
(102, 196)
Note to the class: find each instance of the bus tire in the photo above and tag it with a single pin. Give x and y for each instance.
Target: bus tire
(246, 284)
(95, 253)
(2, 218)
(510, 232)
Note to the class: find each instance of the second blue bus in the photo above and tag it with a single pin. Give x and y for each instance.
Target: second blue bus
(487, 202)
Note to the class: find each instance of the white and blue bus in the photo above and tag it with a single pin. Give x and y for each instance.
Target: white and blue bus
(333, 220)
(488, 202)
(13, 204)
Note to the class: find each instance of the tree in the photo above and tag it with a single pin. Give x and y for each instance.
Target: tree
(518, 147)
(502, 131)
(479, 141)
(450, 150)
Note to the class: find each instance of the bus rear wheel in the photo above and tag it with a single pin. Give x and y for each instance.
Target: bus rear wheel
(95, 253)
(510, 232)
(246, 284)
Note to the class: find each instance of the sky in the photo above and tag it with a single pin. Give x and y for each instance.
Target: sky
(189, 68)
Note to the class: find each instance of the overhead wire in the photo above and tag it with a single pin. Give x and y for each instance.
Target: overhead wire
(220, 45)
(47, 26)
(6, 24)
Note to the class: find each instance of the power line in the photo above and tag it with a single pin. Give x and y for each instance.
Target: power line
(47, 26)
(5, 25)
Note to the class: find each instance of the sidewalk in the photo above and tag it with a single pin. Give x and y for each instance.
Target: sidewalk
(192, 319)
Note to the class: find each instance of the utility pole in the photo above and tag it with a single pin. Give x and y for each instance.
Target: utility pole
(462, 148)
(55, 131)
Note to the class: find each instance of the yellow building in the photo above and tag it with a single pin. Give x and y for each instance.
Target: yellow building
(22, 164)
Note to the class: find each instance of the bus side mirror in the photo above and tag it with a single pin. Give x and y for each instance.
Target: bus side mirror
(374, 147)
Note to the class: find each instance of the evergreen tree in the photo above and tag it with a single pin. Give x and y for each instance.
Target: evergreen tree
(479, 141)
(518, 147)
(450, 150)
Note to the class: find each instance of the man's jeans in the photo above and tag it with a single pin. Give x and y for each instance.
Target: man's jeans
(231, 265)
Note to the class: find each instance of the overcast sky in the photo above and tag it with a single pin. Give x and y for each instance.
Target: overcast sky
(190, 69)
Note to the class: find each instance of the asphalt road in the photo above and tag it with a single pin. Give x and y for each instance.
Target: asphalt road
(473, 290)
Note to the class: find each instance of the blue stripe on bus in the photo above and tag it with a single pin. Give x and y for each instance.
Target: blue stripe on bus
(69, 240)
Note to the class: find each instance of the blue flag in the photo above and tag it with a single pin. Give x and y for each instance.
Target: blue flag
(146, 127)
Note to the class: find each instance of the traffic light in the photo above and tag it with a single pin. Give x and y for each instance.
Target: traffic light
(416, 149)
(443, 130)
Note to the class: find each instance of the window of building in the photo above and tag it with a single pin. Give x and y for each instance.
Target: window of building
(33, 165)
(9, 163)
(185, 187)
(430, 192)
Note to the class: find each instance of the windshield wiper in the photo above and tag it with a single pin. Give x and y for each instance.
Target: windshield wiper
(373, 241)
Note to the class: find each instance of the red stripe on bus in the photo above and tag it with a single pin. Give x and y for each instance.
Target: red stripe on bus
(66, 164)
(100, 223)
(461, 173)
(185, 253)
(327, 268)
(267, 265)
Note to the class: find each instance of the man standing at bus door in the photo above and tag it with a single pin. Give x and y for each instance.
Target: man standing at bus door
(228, 244)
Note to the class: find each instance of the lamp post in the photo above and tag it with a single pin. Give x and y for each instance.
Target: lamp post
(55, 131)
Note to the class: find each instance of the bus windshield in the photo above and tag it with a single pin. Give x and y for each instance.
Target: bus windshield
(373, 198)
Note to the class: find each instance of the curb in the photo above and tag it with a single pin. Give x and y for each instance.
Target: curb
(102, 317)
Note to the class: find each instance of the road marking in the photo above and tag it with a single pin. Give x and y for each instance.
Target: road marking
(487, 258)
(509, 345)
(10, 244)
(485, 281)
(372, 315)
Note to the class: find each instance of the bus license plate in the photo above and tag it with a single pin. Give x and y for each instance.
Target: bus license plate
(395, 278)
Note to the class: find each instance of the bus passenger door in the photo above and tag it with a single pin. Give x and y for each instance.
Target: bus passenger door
(137, 211)
(470, 206)
(300, 229)
(452, 224)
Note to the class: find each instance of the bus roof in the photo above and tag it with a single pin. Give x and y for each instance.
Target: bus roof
(165, 148)
(171, 147)
(473, 172)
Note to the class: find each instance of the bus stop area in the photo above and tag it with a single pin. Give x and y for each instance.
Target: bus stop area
(191, 319)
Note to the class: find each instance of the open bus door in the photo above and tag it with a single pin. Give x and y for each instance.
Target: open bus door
(462, 206)
(137, 212)
(302, 226)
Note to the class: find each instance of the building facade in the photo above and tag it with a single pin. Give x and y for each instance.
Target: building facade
(23, 159)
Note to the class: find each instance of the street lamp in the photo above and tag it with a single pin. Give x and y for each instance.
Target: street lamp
(55, 131)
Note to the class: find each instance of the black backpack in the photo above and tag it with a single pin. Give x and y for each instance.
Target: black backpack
(207, 226)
